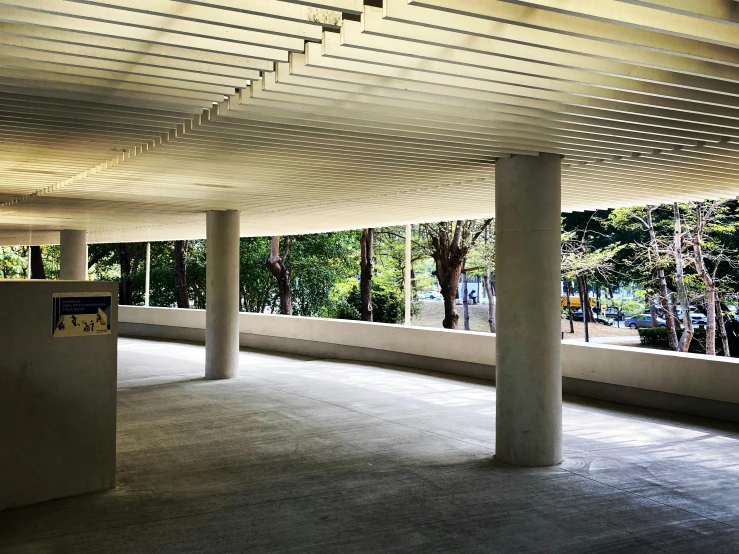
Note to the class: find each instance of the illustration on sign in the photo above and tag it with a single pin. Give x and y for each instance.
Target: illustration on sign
(80, 314)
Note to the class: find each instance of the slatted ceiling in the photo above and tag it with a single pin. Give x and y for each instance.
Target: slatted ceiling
(642, 16)
(168, 29)
(234, 21)
(129, 51)
(600, 20)
(284, 10)
(545, 44)
(399, 117)
(714, 9)
(353, 7)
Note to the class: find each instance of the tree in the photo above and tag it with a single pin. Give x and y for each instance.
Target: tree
(195, 261)
(180, 274)
(257, 286)
(682, 294)
(581, 260)
(365, 275)
(130, 257)
(656, 262)
(465, 301)
(389, 264)
(489, 284)
(13, 265)
(276, 266)
(482, 257)
(448, 243)
(707, 256)
(37, 263)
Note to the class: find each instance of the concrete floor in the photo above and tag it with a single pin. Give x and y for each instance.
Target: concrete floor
(303, 455)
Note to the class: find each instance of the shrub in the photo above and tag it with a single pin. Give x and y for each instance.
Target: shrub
(387, 304)
(657, 336)
(653, 336)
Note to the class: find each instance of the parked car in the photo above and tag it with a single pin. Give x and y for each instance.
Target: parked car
(614, 313)
(578, 316)
(695, 316)
(698, 319)
(643, 320)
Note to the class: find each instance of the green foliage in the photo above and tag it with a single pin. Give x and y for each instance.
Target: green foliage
(316, 262)
(13, 263)
(390, 265)
(630, 307)
(50, 257)
(257, 286)
(387, 303)
(657, 336)
(340, 306)
(653, 336)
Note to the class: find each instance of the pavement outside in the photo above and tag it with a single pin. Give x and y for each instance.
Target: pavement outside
(432, 314)
(306, 455)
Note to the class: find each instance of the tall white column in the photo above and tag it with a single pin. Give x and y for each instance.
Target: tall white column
(73, 255)
(147, 277)
(28, 269)
(408, 266)
(222, 295)
(527, 262)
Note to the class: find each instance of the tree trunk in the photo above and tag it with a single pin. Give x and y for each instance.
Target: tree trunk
(652, 311)
(450, 242)
(37, 263)
(722, 327)
(278, 269)
(491, 301)
(682, 293)
(125, 285)
(582, 287)
(448, 284)
(489, 289)
(670, 321)
(180, 274)
(365, 275)
(700, 268)
(568, 291)
(711, 324)
(465, 302)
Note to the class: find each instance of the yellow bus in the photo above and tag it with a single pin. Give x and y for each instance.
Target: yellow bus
(575, 302)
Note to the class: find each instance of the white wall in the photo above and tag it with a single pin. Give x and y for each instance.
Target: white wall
(457, 352)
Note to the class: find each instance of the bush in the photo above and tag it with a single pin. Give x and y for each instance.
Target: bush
(387, 304)
(657, 336)
(653, 336)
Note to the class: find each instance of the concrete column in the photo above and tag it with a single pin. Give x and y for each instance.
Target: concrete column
(222, 295)
(147, 277)
(28, 269)
(73, 255)
(408, 290)
(527, 269)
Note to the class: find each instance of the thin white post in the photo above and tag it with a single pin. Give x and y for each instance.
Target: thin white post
(28, 270)
(148, 274)
(408, 267)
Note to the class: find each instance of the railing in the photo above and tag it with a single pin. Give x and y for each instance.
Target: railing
(691, 383)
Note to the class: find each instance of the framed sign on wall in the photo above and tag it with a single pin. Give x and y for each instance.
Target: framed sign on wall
(80, 314)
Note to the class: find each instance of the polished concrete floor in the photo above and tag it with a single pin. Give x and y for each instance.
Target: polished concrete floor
(305, 455)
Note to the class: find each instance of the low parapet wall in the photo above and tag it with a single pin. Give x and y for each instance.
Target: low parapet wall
(688, 383)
